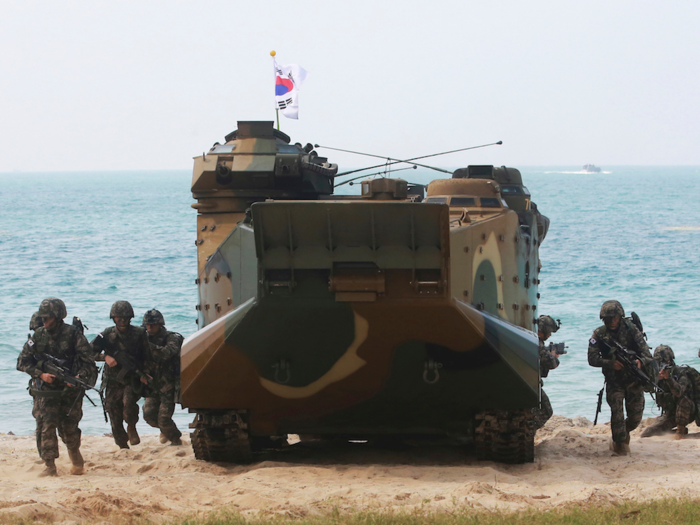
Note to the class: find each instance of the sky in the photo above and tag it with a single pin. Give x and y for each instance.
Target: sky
(133, 85)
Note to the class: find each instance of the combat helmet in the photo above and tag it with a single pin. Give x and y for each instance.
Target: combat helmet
(153, 317)
(547, 325)
(52, 307)
(665, 354)
(611, 309)
(121, 309)
(36, 321)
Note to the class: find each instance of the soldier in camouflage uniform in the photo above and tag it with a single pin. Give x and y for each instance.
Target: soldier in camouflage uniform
(56, 405)
(35, 322)
(163, 364)
(548, 361)
(677, 399)
(621, 386)
(128, 344)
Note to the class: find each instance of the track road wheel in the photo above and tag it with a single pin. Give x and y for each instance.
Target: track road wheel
(505, 436)
(221, 437)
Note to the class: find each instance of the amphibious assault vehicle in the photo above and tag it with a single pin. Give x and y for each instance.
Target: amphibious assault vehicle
(359, 317)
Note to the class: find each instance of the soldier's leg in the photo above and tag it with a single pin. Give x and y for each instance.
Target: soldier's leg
(49, 409)
(165, 418)
(634, 404)
(69, 430)
(542, 414)
(114, 404)
(131, 414)
(151, 405)
(39, 422)
(615, 397)
(685, 410)
(661, 425)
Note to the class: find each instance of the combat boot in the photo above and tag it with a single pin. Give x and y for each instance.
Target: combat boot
(76, 458)
(50, 469)
(176, 442)
(681, 431)
(620, 449)
(163, 439)
(134, 438)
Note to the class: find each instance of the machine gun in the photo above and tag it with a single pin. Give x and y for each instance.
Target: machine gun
(61, 369)
(558, 348)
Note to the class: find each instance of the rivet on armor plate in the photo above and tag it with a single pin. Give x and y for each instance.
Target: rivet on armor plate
(483, 236)
(201, 241)
(228, 274)
(515, 306)
(466, 249)
(516, 239)
(501, 306)
(501, 238)
(195, 242)
(196, 281)
(213, 227)
(534, 281)
(481, 249)
(218, 307)
(527, 307)
(216, 278)
(229, 301)
(206, 307)
(198, 307)
(501, 278)
(482, 277)
(206, 280)
(516, 279)
(534, 307)
(204, 228)
(538, 295)
(466, 293)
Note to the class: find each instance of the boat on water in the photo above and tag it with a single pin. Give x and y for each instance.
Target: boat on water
(591, 168)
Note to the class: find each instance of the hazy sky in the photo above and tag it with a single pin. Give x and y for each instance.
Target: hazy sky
(88, 85)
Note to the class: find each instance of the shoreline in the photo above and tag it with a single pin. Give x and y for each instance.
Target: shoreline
(155, 482)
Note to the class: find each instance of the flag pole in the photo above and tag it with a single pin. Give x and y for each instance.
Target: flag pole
(277, 110)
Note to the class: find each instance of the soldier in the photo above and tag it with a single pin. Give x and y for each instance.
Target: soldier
(548, 361)
(125, 347)
(34, 323)
(677, 399)
(163, 364)
(57, 406)
(621, 386)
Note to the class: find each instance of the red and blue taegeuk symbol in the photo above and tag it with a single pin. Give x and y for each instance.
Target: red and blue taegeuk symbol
(283, 86)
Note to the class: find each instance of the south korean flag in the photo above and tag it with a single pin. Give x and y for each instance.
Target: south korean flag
(288, 80)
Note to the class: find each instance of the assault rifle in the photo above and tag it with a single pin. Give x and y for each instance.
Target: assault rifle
(123, 359)
(629, 359)
(61, 370)
(559, 348)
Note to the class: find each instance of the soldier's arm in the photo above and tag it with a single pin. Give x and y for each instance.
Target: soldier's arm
(642, 346)
(595, 357)
(547, 360)
(170, 349)
(679, 387)
(85, 355)
(26, 362)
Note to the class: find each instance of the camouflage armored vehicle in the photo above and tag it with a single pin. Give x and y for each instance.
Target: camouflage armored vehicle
(355, 317)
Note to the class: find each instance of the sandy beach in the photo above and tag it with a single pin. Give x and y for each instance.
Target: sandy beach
(153, 481)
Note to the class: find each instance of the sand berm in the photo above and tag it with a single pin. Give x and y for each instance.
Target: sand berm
(158, 482)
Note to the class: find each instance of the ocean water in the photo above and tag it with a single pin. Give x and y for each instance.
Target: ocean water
(630, 233)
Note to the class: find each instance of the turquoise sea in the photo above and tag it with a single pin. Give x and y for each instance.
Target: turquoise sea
(91, 238)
